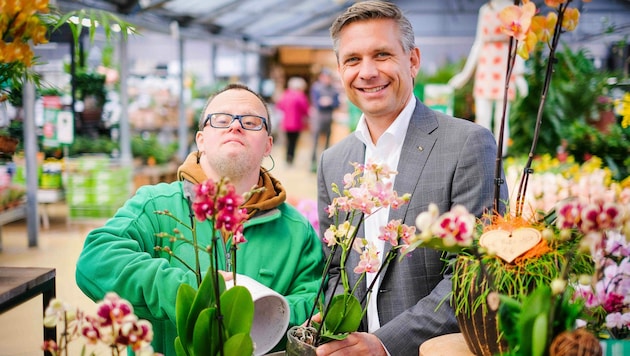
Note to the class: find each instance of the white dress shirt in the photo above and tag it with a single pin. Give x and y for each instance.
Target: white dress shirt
(385, 151)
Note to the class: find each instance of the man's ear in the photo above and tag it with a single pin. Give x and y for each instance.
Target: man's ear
(269, 145)
(414, 59)
(199, 140)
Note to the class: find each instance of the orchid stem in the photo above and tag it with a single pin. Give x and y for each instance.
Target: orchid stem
(522, 189)
(321, 286)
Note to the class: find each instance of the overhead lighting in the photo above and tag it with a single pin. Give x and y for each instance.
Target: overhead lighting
(84, 22)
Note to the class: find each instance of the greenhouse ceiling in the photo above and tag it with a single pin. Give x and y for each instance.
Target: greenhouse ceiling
(274, 23)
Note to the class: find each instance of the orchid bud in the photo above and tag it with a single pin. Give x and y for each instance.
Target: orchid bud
(565, 235)
(558, 286)
(548, 235)
(585, 279)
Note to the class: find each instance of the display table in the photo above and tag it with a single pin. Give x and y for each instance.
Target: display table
(446, 345)
(20, 284)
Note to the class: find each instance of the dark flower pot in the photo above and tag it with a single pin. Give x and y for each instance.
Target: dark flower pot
(296, 346)
(480, 327)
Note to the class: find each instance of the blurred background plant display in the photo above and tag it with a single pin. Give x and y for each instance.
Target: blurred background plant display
(27, 24)
(571, 117)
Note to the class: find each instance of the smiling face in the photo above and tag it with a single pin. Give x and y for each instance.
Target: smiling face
(376, 72)
(234, 152)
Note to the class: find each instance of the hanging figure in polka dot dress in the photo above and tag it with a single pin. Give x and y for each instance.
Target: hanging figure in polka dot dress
(488, 60)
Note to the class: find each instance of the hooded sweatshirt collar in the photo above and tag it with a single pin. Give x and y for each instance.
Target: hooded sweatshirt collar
(271, 197)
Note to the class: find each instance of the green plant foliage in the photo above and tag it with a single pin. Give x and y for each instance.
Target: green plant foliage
(343, 316)
(513, 279)
(86, 145)
(525, 324)
(572, 97)
(145, 146)
(583, 141)
(198, 325)
(91, 84)
(463, 106)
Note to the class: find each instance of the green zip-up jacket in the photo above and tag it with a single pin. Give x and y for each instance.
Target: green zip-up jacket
(282, 252)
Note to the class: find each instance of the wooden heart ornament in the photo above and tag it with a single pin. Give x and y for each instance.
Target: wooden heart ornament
(509, 245)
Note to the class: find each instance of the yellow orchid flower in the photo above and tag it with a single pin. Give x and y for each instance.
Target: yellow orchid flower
(554, 3)
(570, 19)
(544, 26)
(625, 110)
(526, 46)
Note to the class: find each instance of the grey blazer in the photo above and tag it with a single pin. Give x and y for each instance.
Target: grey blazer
(446, 161)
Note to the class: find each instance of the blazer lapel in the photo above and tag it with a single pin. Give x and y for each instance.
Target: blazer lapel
(415, 152)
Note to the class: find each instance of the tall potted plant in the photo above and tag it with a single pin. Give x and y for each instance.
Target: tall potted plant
(91, 91)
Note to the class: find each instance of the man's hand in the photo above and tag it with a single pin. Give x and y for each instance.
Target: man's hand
(317, 318)
(227, 276)
(354, 344)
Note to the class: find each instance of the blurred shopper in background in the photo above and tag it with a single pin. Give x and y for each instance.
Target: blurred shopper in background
(325, 99)
(295, 107)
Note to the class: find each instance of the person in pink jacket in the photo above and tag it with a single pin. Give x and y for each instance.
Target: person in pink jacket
(295, 106)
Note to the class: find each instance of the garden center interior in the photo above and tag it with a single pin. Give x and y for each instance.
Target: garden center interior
(90, 157)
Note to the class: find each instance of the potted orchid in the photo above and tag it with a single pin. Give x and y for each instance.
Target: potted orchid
(506, 264)
(368, 189)
(115, 326)
(589, 286)
(212, 319)
(548, 318)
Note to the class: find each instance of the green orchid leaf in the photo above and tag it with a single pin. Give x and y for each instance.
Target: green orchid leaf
(436, 244)
(344, 315)
(179, 348)
(568, 313)
(206, 333)
(183, 302)
(239, 344)
(206, 295)
(539, 335)
(509, 312)
(535, 307)
(328, 336)
(237, 308)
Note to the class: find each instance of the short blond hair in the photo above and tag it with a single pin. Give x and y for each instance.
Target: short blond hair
(374, 10)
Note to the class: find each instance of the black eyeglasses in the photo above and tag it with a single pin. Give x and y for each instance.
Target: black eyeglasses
(223, 121)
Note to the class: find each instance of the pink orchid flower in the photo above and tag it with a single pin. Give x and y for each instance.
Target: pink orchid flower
(455, 227)
(369, 261)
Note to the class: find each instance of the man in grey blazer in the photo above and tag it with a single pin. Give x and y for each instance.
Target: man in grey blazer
(440, 159)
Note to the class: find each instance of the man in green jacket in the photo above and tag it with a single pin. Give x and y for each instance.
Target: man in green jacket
(282, 250)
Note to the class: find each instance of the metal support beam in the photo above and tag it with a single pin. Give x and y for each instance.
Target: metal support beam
(126, 157)
(30, 158)
(182, 123)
